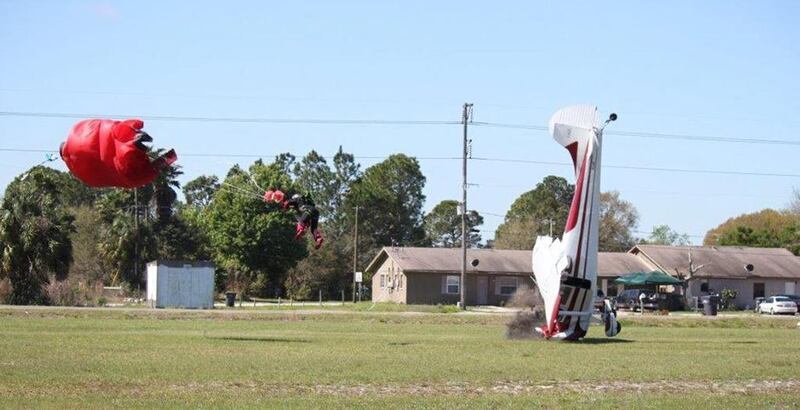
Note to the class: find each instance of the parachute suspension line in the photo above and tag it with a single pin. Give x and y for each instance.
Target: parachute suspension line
(239, 188)
(242, 191)
(245, 195)
(255, 183)
(50, 157)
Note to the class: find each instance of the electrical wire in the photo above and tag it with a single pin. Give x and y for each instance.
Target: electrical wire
(644, 134)
(499, 160)
(322, 121)
(308, 121)
(641, 168)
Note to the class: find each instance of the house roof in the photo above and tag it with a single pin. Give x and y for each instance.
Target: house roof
(723, 261)
(496, 261)
(448, 260)
(614, 264)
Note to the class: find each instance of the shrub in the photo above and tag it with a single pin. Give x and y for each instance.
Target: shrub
(727, 295)
(5, 289)
(61, 293)
(73, 292)
(448, 309)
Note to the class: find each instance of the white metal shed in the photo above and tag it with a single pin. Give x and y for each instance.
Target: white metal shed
(179, 284)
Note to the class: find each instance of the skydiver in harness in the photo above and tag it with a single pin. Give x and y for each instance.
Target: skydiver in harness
(303, 205)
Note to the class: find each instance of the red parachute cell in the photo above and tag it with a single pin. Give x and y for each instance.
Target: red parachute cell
(276, 196)
(110, 153)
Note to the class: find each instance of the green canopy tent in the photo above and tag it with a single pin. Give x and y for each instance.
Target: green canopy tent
(655, 277)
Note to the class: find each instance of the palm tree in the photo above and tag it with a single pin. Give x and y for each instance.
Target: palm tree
(164, 192)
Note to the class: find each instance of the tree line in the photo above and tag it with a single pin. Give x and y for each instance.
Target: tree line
(52, 227)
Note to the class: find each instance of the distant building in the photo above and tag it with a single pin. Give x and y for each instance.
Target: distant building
(433, 275)
(177, 284)
(752, 272)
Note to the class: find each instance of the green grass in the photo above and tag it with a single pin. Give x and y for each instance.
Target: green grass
(139, 358)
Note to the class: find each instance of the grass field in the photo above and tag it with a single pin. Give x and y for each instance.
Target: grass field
(125, 358)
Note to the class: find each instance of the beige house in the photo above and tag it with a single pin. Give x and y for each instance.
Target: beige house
(752, 272)
(433, 275)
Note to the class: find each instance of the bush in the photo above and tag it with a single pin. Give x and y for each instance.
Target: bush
(727, 295)
(73, 292)
(447, 309)
(5, 289)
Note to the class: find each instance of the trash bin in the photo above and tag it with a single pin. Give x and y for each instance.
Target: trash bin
(710, 303)
(230, 299)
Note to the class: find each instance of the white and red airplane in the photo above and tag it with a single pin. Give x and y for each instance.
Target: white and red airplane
(566, 269)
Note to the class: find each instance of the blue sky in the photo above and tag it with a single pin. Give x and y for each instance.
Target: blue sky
(712, 68)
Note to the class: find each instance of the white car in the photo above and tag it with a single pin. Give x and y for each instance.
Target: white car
(778, 304)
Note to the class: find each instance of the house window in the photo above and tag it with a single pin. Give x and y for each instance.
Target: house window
(704, 286)
(452, 284)
(506, 286)
(399, 281)
(758, 290)
(383, 281)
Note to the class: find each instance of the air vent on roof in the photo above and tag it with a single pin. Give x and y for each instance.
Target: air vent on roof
(749, 267)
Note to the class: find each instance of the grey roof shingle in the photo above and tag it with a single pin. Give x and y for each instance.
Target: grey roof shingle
(725, 261)
(446, 260)
(615, 264)
(499, 261)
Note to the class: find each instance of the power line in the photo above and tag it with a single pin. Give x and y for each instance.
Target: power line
(648, 192)
(324, 121)
(486, 159)
(641, 168)
(39, 151)
(308, 121)
(642, 134)
(317, 99)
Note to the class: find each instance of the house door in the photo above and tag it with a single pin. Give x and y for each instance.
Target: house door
(483, 290)
(758, 290)
(790, 288)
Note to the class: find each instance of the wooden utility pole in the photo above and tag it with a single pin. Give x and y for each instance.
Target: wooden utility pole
(465, 119)
(355, 256)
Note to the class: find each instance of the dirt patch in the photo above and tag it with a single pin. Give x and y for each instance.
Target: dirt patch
(511, 388)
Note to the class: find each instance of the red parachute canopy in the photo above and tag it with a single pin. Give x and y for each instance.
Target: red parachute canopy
(110, 153)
